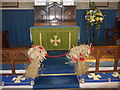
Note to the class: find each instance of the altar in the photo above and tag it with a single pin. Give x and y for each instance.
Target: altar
(55, 37)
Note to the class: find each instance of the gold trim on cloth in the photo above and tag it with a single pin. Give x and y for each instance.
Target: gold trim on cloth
(69, 43)
(41, 39)
(55, 74)
(52, 31)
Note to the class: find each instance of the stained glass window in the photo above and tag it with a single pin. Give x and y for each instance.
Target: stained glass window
(68, 2)
(39, 2)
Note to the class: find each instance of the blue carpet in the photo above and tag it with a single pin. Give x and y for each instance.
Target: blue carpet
(56, 65)
(56, 82)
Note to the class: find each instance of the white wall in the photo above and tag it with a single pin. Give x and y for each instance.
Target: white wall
(85, 5)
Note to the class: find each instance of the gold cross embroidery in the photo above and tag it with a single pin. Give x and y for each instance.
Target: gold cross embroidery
(116, 74)
(18, 79)
(32, 83)
(95, 77)
(55, 40)
(82, 80)
(3, 83)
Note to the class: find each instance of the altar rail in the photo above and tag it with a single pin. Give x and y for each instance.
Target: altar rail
(14, 56)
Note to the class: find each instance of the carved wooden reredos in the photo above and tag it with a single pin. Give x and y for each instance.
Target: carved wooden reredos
(54, 13)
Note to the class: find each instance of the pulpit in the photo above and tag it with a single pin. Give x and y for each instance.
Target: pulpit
(55, 37)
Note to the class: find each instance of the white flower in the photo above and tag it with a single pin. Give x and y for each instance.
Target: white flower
(94, 17)
(101, 18)
(101, 14)
(91, 11)
(93, 20)
(95, 11)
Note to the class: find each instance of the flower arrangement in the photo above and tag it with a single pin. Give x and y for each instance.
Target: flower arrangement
(79, 52)
(37, 53)
(36, 56)
(94, 16)
(78, 55)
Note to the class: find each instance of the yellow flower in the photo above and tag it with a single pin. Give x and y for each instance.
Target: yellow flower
(97, 18)
(97, 13)
(91, 17)
(87, 13)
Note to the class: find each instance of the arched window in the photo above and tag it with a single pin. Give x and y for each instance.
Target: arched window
(68, 2)
(51, 1)
(39, 2)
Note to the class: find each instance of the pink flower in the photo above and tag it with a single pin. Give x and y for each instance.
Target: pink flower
(32, 45)
(46, 55)
(80, 54)
(31, 59)
(75, 59)
(91, 44)
(40, 47)
(88, 47)
(82, 59)
(93, 49)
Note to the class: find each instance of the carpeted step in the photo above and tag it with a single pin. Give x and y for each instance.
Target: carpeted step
(56, 82)
(56, 65)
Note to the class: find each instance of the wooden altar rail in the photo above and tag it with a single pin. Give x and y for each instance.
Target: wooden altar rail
(100, 51)
(14, 56)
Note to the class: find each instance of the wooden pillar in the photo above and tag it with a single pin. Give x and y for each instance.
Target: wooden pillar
(12, 62)
(97, 64)
(116, 57)
(115, 64)
(97, 59)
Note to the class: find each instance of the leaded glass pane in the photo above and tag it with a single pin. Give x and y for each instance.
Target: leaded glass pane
(39, 2)
(68, 2)
(51, 1)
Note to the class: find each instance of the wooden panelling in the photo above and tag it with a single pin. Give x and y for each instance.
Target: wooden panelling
(56, 24)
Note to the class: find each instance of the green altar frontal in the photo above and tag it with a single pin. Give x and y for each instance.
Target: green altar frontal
(55, 37)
